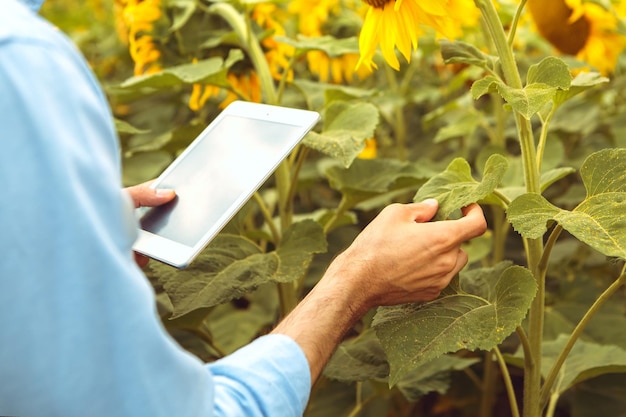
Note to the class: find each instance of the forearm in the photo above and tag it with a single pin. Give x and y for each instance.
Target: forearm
(320, 321)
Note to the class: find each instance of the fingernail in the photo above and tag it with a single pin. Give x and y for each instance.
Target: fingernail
(430, 202)
(164, 192)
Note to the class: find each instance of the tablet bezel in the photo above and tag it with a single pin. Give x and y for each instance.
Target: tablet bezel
(180, 255)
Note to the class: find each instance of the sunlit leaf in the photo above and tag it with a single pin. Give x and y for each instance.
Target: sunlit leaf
(209, 71)
(477, 312)
(456, 188)
(551, 71)
(346, 127)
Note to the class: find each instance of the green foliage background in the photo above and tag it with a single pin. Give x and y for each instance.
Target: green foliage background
(442, 130)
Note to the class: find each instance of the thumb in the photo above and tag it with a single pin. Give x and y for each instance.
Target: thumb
(425, 210)
(145, 196)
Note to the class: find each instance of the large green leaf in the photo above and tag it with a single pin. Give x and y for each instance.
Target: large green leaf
(598, 220)
(476, 312)
(433, 376)
(456, 188)
(232, 266)
(358, 359)
(209, 71)
(346, 127)
(586, 360)
(368, 178)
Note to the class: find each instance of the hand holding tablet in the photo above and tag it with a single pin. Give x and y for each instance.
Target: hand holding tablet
(216, 175)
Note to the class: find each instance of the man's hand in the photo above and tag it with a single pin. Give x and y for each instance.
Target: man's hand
(400, 257)
(144, 196)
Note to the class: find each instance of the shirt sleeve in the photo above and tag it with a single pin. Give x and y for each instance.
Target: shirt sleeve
(80, 334)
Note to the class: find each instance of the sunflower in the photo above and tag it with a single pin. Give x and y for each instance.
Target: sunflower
(138, 17)
(313, 16)
(584, 29)
(399, 24)
(278, 55)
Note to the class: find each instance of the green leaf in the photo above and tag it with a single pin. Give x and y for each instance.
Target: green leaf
(477, 312)
(330, 45)
(368, 178)
(433, 376)
(208, 71)
(346, 127)
(181, 11)
(529, 100)
(582, 82)
(604, 172)
(586, 360)
(358, 359)
(455, 188)
(124, 127)
(232, 266)
(602, 396)
(598, 220)
(551, 71)
(457, 52)
(530, 213)
(484, 86)
(296, 249)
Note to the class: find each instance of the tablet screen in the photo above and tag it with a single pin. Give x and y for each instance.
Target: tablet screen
(223, 170)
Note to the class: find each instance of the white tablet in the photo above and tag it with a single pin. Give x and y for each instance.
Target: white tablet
(216, 175)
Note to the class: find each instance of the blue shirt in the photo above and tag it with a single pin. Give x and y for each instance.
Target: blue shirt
(79, 334)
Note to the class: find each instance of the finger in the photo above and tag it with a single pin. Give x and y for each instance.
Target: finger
(423, 211)
(141, 260)
(145, 196)
(471, 225)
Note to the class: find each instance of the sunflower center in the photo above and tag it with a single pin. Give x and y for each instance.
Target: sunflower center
(379, 4)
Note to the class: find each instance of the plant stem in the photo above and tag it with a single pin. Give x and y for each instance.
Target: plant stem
(268, 217)
(515, 23)
(547, 386)
(251, 45)
(534, 247)
(541, 146)
(508, 383)
(399, 124)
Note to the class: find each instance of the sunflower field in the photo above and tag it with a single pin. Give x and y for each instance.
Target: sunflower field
(519, 105)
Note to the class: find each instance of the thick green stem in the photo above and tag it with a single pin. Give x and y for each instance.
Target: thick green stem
(547, 387)
(534, 247)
